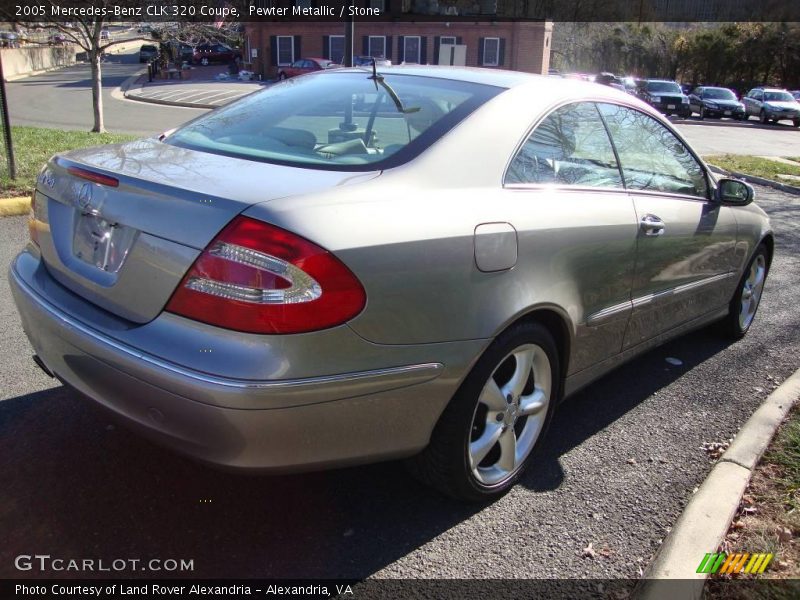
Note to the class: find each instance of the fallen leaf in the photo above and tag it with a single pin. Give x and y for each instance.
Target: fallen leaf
(784, 534)
(589, 551)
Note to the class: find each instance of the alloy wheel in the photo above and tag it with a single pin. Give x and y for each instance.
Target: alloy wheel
(510, 414)
(751, 291)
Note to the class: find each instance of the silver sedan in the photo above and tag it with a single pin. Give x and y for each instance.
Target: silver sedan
(355, 265)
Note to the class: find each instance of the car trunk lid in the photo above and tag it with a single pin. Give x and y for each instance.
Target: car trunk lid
(120, 225)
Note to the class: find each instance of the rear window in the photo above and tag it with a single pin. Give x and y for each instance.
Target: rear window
(341, 121)
(778, 97)
(149, 48)
(663, 86)
(719, 94)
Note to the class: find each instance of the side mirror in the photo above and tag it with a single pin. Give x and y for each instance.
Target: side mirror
(734, 192)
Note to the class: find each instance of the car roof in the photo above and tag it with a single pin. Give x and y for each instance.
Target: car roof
(549, 89)
(494, 77)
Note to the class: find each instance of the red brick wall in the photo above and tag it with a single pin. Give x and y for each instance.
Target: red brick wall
(527, 44)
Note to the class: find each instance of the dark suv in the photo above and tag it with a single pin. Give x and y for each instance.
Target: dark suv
(147, 53)
(666, 97)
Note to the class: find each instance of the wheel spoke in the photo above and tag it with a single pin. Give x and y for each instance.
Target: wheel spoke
(534, 403)
(522, 373)
(492, 396)
(508, 450)
(480, 447)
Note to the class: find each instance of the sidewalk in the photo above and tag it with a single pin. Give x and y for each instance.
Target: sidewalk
(202, 90)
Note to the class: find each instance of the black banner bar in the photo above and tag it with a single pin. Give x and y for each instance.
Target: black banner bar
(214, 11)
(385, 589)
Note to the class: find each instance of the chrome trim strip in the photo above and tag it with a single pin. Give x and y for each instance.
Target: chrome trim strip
(686, 287)
(608, 312)
(414, 373)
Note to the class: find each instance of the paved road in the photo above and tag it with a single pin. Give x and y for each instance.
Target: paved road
(63, 99)
(724, 136)
(622, 459)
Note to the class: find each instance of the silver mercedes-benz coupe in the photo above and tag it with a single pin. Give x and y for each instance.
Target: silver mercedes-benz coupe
(355, 265)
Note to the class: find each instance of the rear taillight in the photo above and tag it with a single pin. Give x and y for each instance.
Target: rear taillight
(258, 278)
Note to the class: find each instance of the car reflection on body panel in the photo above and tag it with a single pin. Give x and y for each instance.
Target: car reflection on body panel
(354, 266)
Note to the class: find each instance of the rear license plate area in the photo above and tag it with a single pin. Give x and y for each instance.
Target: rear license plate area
(101, 243)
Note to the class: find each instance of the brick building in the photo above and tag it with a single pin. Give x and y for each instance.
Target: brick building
(515, 45)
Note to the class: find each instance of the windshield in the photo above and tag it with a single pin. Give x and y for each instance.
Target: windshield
(334, 120)
(718, 94)
(663, 86)
(778, 97)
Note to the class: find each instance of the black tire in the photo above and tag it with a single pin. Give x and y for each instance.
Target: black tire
(796, 122)
(732, 326)
(445, 463)
(702, 113)
(282, 76)
(762, 118)
(204, 61)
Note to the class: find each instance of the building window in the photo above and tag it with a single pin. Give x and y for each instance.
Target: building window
(377, 46)
(491, 52)
(447, 40)
(411, 49)
(285, 50)
(336, 48)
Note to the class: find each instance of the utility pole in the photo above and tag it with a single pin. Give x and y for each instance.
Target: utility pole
(349, 27)
(12, 165)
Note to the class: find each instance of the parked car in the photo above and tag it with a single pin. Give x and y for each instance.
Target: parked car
(205, 54)
(147, 52)
(795, 94)
(366, 61)
(665, 96)
(611, 80)
(715, 102)
(771, 105)
(105, 35)
(56, 39)
(9, 39)
(305, 65)
(407, 291)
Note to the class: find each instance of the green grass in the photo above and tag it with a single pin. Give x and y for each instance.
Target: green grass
(34, 146)
(752, 165)
(785, 452)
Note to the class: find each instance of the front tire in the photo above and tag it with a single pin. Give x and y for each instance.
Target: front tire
(702, 113)
(762, 117)
(489, 432)
(745, 301)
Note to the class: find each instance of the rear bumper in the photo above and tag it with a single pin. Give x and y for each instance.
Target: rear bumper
(303, 423)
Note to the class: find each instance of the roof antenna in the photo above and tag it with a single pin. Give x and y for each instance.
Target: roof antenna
(375, 75)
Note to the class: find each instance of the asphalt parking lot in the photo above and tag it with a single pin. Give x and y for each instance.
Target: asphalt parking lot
(622, 459)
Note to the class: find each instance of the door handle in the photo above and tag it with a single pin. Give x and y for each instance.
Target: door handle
(652, 225)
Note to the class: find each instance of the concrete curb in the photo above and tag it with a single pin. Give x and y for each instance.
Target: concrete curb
(704, 522)
(12, 207)
(783, 187)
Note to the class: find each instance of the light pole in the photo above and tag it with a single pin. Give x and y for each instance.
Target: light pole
(349, 26)
(12, 165)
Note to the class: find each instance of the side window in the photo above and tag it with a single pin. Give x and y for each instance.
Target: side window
(652, 157)
(569, 147)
